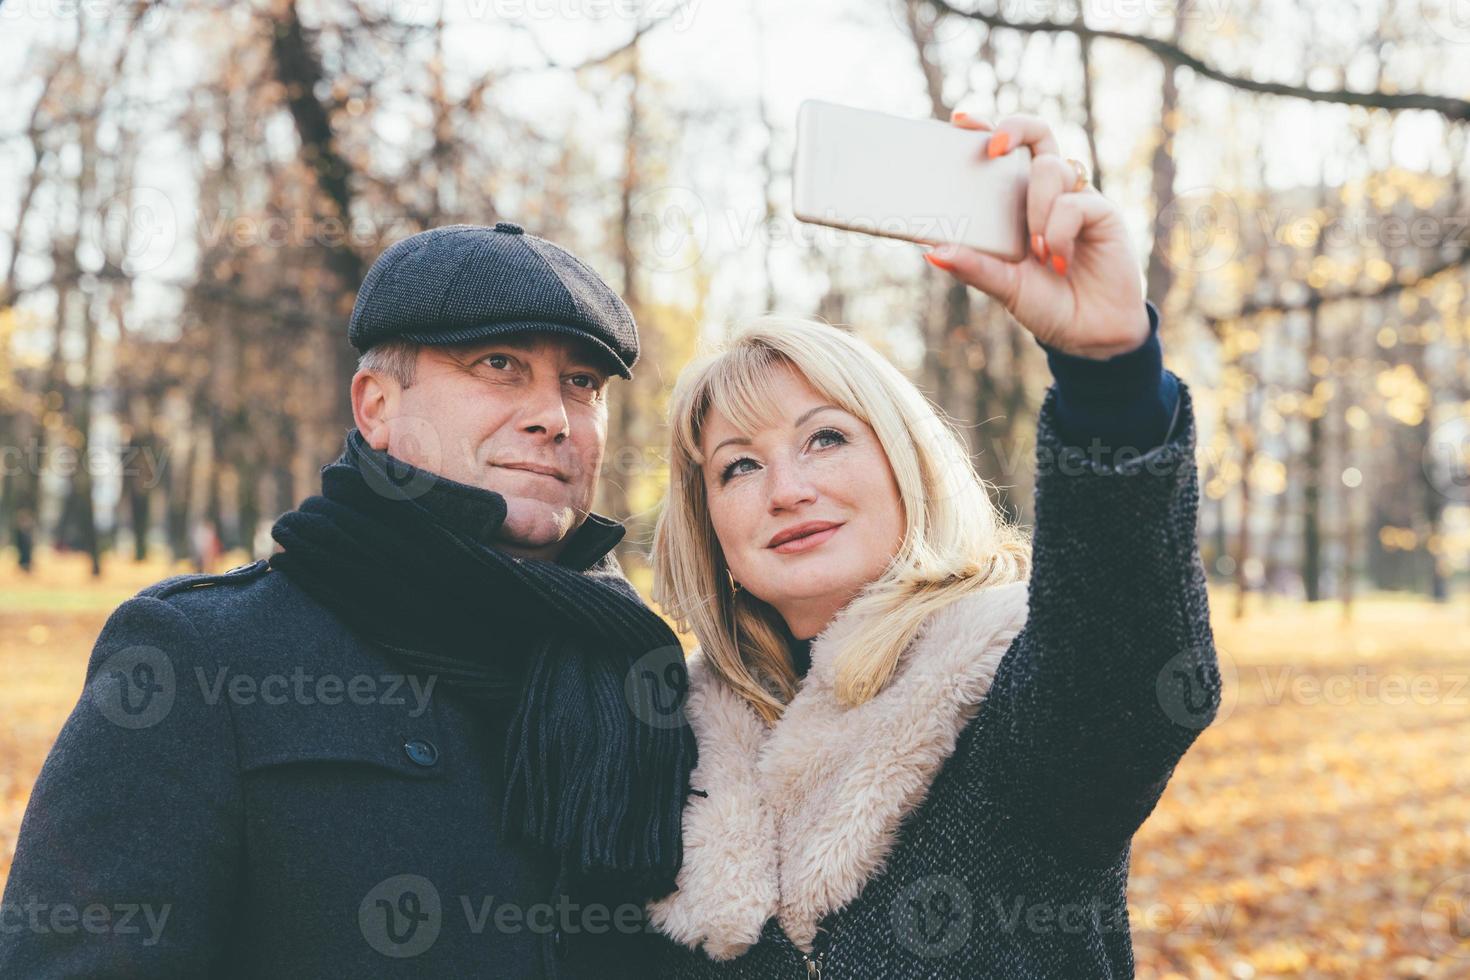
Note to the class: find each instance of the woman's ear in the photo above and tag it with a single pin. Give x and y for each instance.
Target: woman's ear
(374, 403)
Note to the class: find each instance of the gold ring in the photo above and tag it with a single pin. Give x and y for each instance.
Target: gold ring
(1082, 178)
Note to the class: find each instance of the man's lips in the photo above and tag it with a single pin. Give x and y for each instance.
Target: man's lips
(801, 537)
(536, 468)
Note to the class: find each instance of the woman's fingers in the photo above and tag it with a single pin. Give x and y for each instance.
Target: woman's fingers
(1050, 176)
(1086, 294)
(1071, 215)
(966, 121)
(1023, 128)
(993, 276)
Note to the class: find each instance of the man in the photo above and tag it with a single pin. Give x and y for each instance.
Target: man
(417, 741)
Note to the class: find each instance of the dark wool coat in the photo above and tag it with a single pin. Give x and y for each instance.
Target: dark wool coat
(248, 789)
(974, 819)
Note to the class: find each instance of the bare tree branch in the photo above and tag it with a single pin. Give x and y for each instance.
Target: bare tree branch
(300, 72)
(1457, 110)
(33, 132)
(596, 61)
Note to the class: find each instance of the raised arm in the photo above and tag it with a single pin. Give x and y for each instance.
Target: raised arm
(1115, 673)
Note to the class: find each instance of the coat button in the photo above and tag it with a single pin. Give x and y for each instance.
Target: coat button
(509, 227)
(421, 752)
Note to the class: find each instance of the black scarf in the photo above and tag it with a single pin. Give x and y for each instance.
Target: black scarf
(596, 764)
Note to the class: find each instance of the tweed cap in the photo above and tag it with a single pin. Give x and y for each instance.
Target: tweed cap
(469, 282)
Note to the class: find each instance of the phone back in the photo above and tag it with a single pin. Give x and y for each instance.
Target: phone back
(920, 180)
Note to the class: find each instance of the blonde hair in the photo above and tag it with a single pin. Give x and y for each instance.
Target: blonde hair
(955, 541)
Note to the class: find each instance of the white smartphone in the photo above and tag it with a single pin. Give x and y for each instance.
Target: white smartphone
(920, 180)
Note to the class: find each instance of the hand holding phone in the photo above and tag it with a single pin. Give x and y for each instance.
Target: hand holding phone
(1082, 294)
(919, 180)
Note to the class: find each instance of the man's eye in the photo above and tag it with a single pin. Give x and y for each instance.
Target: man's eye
(497, 361)
(584, 381)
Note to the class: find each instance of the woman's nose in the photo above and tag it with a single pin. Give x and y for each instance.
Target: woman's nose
(790, 486)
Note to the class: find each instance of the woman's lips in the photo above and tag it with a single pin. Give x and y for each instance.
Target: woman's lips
(806, 542)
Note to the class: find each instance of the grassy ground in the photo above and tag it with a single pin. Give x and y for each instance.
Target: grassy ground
(1321, 828)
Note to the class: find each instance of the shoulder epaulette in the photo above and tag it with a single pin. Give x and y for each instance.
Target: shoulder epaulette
(183, 583)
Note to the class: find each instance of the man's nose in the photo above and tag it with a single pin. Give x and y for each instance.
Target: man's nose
(543, 412)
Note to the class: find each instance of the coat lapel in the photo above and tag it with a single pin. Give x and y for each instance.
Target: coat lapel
(799, 816)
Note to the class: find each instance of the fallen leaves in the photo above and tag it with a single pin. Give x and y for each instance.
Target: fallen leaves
(1320, 828)
(1327, 813)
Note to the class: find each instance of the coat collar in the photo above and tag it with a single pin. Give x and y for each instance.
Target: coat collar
(800, 815)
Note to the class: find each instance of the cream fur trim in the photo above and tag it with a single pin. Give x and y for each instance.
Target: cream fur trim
(802, 814)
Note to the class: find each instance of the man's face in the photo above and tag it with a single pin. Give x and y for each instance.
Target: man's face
(523, 415)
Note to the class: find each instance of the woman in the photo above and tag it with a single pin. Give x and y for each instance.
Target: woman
(914, 760)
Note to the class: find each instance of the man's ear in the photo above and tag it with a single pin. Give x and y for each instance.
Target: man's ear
(374, 403)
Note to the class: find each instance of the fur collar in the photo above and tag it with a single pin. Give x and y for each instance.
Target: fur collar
(800, 815)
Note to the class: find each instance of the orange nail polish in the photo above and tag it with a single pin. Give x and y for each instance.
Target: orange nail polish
(1038, 246)
(999, 143)
(1060, 264)
(938, 263)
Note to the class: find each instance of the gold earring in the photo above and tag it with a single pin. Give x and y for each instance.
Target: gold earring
(734, 585)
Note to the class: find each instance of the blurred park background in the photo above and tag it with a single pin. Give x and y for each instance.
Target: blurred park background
(191, 192)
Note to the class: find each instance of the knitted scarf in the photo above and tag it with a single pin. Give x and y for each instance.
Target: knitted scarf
(593, 768)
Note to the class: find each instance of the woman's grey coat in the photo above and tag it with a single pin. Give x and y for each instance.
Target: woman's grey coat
(975, 818)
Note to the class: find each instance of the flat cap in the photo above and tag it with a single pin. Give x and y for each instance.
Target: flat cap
(469, 282)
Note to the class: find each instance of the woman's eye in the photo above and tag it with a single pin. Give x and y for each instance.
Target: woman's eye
(731, 468)
(827, 437)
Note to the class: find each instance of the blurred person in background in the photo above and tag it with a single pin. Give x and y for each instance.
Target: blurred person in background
(24, 534)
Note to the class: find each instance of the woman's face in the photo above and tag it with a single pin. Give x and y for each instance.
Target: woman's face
(806, 510)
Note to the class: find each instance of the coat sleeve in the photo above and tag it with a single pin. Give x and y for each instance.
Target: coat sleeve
(1114, 674)
(128, 855)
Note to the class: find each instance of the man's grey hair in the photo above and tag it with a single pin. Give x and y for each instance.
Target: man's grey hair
(394, 358)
